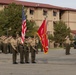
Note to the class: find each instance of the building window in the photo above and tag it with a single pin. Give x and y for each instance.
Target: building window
(31, 11)
(45, 12)
(54, 13)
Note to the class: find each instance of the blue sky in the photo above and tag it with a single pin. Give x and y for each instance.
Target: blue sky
(62, 3)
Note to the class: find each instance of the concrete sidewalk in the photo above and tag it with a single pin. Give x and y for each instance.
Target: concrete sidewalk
(53, 63)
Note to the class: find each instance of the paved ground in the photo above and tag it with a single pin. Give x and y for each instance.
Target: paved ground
(53, 63)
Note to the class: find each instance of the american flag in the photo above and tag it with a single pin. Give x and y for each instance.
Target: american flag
(23, 27)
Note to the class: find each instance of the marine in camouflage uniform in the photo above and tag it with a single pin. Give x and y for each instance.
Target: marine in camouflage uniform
(21, 53)
(5, 46)
(20, 48)
(67, 46)
(14, 49)
(9, 44)
(33, 49)
(26, 50)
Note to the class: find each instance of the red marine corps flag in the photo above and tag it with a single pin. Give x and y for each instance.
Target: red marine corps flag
(23, 27)
(42, 32)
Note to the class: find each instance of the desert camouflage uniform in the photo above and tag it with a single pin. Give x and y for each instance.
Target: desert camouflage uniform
(67, 46)
(13, 42)
(33, 49)
(27, 50)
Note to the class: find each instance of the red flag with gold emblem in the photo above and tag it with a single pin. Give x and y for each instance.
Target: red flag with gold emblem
(42, 32)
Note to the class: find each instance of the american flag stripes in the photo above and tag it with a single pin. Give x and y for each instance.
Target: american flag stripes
(23, 27)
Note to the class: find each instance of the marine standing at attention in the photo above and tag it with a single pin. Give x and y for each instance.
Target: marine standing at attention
(33, 49)
(14, 49)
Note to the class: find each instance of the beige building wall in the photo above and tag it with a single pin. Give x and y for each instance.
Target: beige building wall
(72, 20)
(50, 21)
(65, 18)
(69, 17)
(38, 17)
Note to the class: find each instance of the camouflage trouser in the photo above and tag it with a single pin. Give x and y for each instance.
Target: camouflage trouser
(14, 55)
(24, 54)
(33, 54)
(21, 53)
(67, 49)
(5, 48)
(9, 48)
